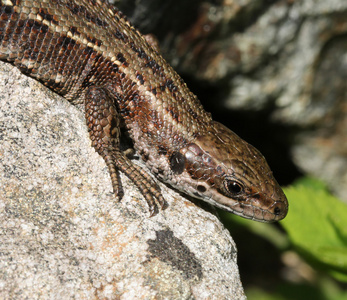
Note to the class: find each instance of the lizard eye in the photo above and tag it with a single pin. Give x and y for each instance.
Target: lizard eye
(233, 187)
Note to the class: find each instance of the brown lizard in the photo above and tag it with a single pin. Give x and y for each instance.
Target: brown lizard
(90, 54)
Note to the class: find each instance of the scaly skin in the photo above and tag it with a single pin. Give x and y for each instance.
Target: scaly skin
(88, 52)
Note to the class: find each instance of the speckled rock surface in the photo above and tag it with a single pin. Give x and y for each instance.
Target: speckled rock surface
(64, 235)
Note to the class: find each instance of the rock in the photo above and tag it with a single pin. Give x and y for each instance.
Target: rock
(65, 235)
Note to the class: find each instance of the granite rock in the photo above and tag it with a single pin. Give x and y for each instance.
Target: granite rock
(63, 233)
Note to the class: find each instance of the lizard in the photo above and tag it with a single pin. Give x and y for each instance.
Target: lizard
(89, 53)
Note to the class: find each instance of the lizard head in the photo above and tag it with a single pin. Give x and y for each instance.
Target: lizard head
(224, 170)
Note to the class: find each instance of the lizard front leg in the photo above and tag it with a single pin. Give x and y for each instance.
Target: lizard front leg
(104, 128)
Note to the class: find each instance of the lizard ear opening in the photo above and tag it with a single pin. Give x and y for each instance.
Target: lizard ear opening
(177, 163)
(201, 188)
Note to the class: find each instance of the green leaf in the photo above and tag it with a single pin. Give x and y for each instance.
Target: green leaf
(317, 226)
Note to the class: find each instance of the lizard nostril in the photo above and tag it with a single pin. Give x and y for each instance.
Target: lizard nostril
(277, 211)
(280, 209)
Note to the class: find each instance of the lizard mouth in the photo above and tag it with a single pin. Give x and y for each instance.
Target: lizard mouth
(257, 207)
(276, 212)
(263, 208)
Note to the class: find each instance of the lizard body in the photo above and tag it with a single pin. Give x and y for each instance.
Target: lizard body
(90, 54)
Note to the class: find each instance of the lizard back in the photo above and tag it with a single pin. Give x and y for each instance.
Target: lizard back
(72, 45)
